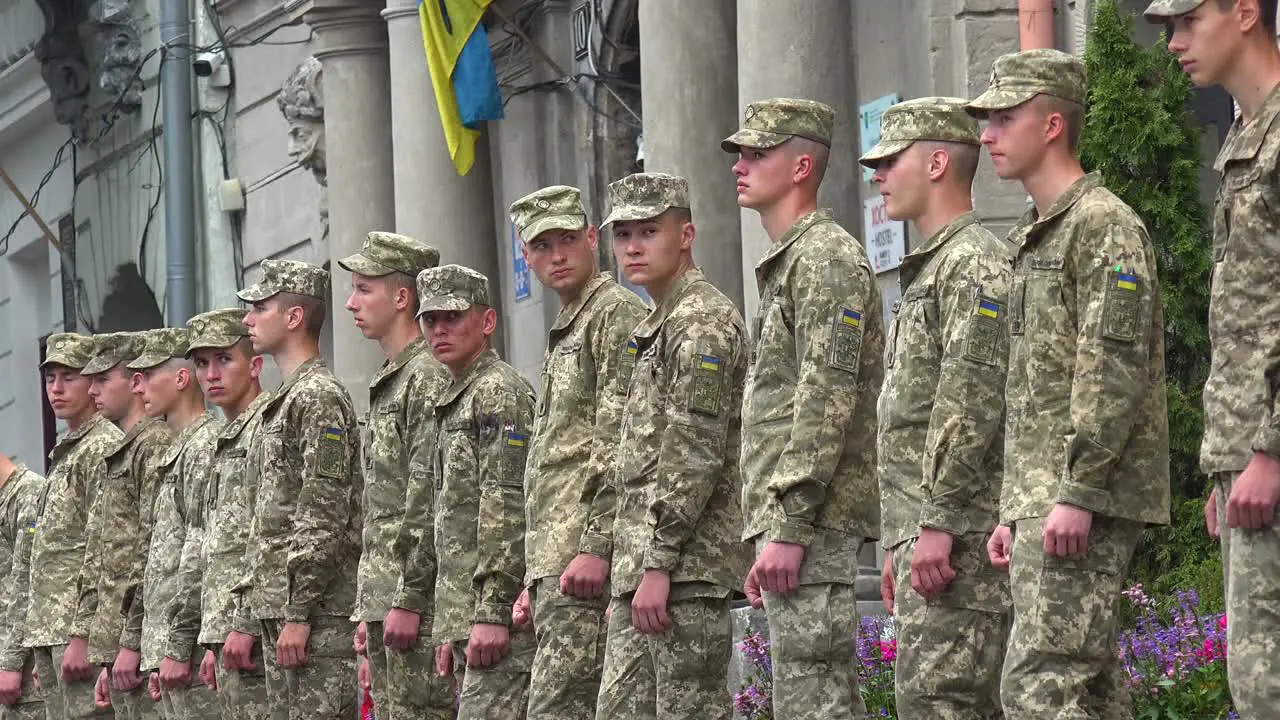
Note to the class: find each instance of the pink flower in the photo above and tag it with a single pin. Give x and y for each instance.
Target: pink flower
(889, 650)
(1222, 622)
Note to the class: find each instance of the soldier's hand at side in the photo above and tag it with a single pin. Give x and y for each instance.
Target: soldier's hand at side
(585, 577)
(1000, 547)
(488, 645)
(649, 605)
(444, 660)
(209, 670)
(102, 691)
(75, 661)
(291, 646)
(1066, 531)
(778, 567)
(362, 675)
(360, 640)
(888, 588)
(1254, 494)
(751, 588)
(931, 569)
(1211, 513)
(174, 674)
(520, 612)
(400, 629)
(10, 687)
(153, 687)
(124, 674)
(237, 651)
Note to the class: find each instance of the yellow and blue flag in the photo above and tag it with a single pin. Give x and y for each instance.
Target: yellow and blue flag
(850, 317)
(462, 73)
(986, 308)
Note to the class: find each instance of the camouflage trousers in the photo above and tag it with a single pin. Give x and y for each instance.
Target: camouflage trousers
(681, 674)
(571, 636)
(951, 648)
(241, 693)
(813, 634)
(65, 700)
(1251, 566)
(1062, 662)
(500, 692)
(24, 711)
(405, 683)
(194, 702)
(323, 689)
(136, 704)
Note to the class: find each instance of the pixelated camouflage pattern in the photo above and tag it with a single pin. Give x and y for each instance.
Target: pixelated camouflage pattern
(1086, 417)
(405, 684)
(110, 608)
(324, 687)
(242, 694)
(558, 207)
(70, 349)
(934, 119)
(586, 370)
(304, 537)
(769, 123)
(161, 346)
(1241, 405)
(499, 691)
(678, 479)
(1018, 77)
(451, 287)
(1162, 11)
(1062, 659)
(75, 479)
(809, 408)
(223, 523)
(384, 253)
(641, 196)
(19, 515)
(167, 591)
(194, 702)
(216, 329)
(400, 437)
(114, 349)
(941, 414)
(570, 634)
(288, 276)
(135, 704)
(483, 421)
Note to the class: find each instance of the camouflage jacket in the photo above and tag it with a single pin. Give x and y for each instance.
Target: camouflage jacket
(187, 465)
(303, 548)
(109, 613)
(57, 554)
(941, 434)
(1241, 401)
(483, 422)
(1087, 423)
(19, 505)
(399, 441)
(677, 467)
(809, 409)
(585, 374)
(223, 524)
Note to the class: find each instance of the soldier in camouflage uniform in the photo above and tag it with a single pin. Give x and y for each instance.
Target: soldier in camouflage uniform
(75, 478)
(483, 422)
(304, 536)
(678, 552)
(568, 483)
(1234, 45)
(809, 411)
(110, 609)
(170, 390)
(1086, 435)
(941, 418)
(399, 441)
(21, 491)
(227, 370)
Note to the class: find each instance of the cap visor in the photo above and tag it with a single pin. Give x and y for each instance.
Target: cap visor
(213, 342)
(882, 150)
(982, 105)
(572, 223)
(146, 362)
(256, 293)
(57, 358)
(444, 303)
(99, 365)
(627, 213)
(752, 138)
(1160, 12)
(361, 265)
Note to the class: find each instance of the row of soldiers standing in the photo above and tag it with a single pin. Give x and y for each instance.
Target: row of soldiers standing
(574, 553)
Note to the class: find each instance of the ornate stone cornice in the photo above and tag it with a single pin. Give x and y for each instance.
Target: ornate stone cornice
(346, 28)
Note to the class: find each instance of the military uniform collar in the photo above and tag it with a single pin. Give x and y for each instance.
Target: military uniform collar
(415, 348)
(481, 364)
(234, 427)
(916, 259)
(185, 436)
(64, 445)
(793, 233)
(1245, 140)
(652, 324)
(10, 481)
(1063, 203)
(132, 435)
(570, 312)
(303, 370)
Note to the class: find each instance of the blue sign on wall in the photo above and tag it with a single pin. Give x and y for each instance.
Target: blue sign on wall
(519, 268)
(869, 130)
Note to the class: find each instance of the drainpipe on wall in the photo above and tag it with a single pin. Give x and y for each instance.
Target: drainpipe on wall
(179, 188)
(1035, 24)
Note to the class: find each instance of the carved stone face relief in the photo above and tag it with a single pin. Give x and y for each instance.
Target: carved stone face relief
(301, 101)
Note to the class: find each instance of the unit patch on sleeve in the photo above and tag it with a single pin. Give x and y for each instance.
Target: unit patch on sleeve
(627, 365)
(705, 397)
(846, 339)
(515, 449)
(1120, 308)
(982, 339)
(331, 454)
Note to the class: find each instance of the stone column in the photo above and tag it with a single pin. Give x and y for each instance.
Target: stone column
(689, 79)
(351, 44)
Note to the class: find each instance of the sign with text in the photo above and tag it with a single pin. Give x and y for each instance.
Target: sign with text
(869, 132)
(886, 239)
(519, 268)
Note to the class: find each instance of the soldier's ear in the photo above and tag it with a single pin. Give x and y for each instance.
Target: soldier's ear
(255, 366)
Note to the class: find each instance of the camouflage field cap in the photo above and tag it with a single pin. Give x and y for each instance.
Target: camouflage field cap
(289, 276)
(939, 119)
(70, 349)
(558, 207)
(216, 329)
(641, 196)
(114, 349)
(1018, 77)
(384, 253)
(769, 123)
(161, 346)
(1162, 10)
(451, 287)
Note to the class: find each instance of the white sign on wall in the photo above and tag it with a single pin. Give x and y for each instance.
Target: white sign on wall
(886, 239)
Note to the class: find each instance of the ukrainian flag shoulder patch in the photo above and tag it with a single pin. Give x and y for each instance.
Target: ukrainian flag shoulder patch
(1127, 281)
(517, 439)
(987, 308)
(849, 317)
